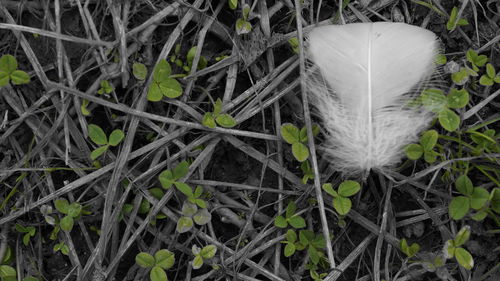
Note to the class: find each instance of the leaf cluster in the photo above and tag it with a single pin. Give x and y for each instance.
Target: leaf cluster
(298, 139)
(98, 136)
(453, 249)
(214, 118)
(200, 255)
(161, 261)
(10, 73)
(341, 202)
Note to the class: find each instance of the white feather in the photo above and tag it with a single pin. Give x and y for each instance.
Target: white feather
(363, 76)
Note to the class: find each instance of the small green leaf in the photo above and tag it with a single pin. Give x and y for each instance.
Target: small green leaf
(8, 63)
(490, 71)
(464, 258)
(297, 222)
(486, 81)
(458, 98)
(166, 179)
(19, 77)
(189, 209)
(464, 185)
(479, 216)
(116, 137)
(245, 10)
(217, 107)
(162, 71)
(26, 239)
(74, 209)
(208, 120)
(462, 236)
(106, 87)
(290, 209)
(208, 252)
(289, 249)
(184, 188)
(329, 189)
(452, 21)
(98, 152)
(4, 78)
(84, 108)
(414, 151)
(62, 205)
(479, 198)
(197, 262)
(440, 59)
(290, 133)
(171, 88)
(243, 27)
(198, 191)
(300, 151)
(202, 217)
(67, 223)
(449, 120)
(233, 4)
(291, 236)
(7, 272)
(144, 207)
(184, 224)
(433, 100)
(348, 188)
(430, 156)
(429, 140)
(495, 200)
(140, 71)
(97, 135)
(280, 222)
(154, 92)
(164, 259)
(313, 254)
(157, 274)
(181, 170)
(460, 77)
(342, 205)
(459, 207)
(225, 120)
(200, 203)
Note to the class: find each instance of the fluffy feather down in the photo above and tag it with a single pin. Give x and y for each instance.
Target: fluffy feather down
(361, 80)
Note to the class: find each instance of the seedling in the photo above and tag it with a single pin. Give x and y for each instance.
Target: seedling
(410, 251)
(341, 202)
(490, 77)
(190, 215)
(426, 147)
(452, 249)
(202, 63)
(307, 171)
(10, 73)
(243, 26)
(472, 197)
(171, 177)
(453, 21)
(484, 141)
(98, 136)
(106, 88)
(212, 119)
(200, 255)
(434, 100)
(162, 260)
(298, 139)
(83, 108)
(140, 71)
(163, 84)
(71, 211)
(62, 247)
(29, 231)
(295, 220)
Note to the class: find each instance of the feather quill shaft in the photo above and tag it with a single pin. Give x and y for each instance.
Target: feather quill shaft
(362, 77)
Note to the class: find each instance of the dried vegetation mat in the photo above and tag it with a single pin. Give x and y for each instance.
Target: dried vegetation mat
(170, 140)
